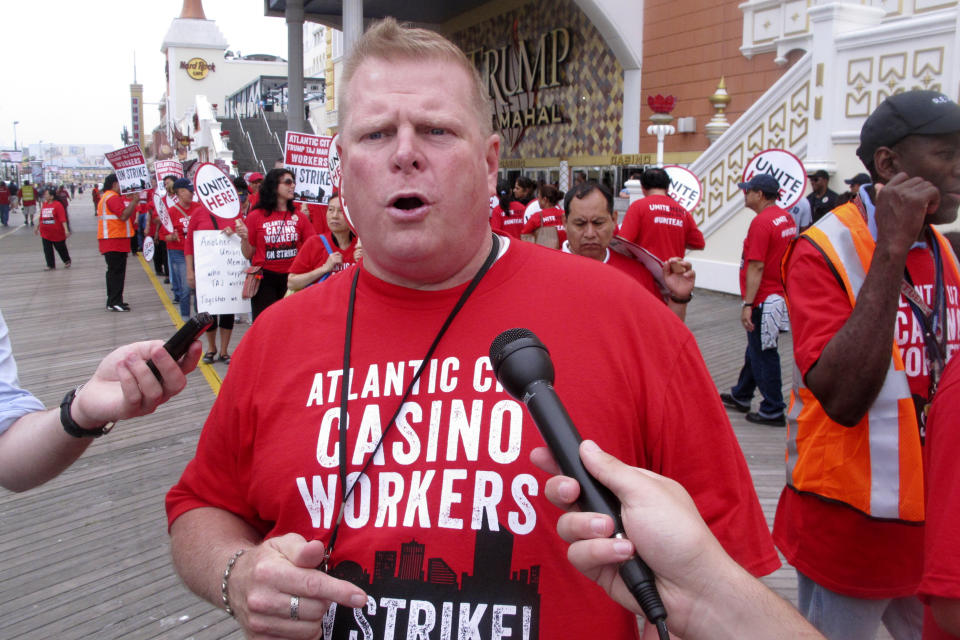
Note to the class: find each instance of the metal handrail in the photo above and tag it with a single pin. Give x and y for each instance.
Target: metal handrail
(269, 129)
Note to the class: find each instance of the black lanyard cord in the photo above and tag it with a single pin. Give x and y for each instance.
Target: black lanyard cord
(345, 385)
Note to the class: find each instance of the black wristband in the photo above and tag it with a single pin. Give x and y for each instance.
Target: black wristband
(681, 300)
(70, 425)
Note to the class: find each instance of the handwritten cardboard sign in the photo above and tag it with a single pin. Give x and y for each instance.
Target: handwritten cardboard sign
(216, 191)
(306, 155)
(131, 168)
(220, 269)
(685, 186)
(786, 168)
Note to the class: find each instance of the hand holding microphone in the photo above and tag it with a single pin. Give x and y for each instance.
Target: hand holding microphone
(522, 365)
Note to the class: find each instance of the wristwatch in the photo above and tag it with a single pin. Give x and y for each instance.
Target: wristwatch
(746, 304)
(71, 427)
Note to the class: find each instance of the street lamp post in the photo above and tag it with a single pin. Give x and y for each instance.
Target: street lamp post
(661, 118)
(17, 164)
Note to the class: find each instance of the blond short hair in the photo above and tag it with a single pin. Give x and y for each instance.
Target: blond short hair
(388, 40)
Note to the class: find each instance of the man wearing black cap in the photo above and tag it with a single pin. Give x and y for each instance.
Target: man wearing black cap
(763, 313)
(822, 199)
(870, 289)
(855, 183)
(180, 214)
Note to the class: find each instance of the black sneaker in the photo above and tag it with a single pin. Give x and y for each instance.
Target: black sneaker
(756, 418)
(732, 403)
(125, 306)
(117, 307)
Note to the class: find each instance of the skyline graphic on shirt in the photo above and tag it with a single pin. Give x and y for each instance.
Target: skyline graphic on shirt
(480, 599)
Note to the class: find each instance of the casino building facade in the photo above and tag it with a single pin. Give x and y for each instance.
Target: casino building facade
(571, 80)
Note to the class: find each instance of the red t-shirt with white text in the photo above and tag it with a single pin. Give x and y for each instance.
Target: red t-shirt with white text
(449, 522)
(767, 240)
(511, 224)
(551, 217)
(661, 226)
(277, 237)
(52, 219)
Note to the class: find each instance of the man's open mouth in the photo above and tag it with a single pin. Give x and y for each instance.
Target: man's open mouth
(408, 203)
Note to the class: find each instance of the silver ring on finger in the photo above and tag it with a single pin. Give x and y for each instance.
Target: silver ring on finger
(294, 607)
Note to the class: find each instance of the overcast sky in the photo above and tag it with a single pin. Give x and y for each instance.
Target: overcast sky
(68, 64)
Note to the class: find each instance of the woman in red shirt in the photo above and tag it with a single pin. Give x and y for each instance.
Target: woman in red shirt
(272, 236)
(507, 217)
(324, 254)
(53, 229)
(550, 215)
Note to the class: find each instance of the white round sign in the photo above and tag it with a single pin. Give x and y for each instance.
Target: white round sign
(216, 192)
(786, 168)
(148, 248)
(333, 163)
(162, 212)
(685, 187)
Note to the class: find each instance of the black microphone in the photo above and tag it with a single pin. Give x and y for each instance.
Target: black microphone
(522, 365)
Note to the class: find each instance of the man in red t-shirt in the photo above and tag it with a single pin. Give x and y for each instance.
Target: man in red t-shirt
(851, 518)
(657, 223)
(445, 526)
(254, 182)
(761, 288)
(590, 224)
(4, 204)
(28, 201)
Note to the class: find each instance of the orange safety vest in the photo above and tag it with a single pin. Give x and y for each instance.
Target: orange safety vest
(876, 466)
(109, 224)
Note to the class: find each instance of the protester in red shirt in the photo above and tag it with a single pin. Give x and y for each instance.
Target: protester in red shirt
(4, 204)
(761, 287)
(53, 229)
(254, 182)
(452, 483)
(325, 254)
(203, 220)
(28, 201)
(657, 222)
(180, 215)
(113, 238)
(549, 216)
(317, 213)
(272, 236)
(507, 217)
(590, 225)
